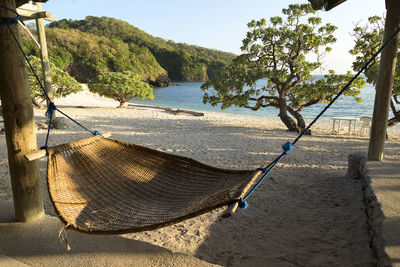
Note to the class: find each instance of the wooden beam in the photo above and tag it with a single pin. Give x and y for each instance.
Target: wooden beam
(29, 33)
(333, 3)
(22, 2)
(29, 6)
(30, 14)
(385, 82)
(44, 57)
(325, 4)
(19, 124)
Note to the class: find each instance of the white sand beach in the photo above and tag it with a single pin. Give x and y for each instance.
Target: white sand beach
(306, 214)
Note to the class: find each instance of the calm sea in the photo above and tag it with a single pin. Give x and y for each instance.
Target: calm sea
(188, 95)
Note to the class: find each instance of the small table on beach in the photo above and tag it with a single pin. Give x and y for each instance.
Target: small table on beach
(340, 119)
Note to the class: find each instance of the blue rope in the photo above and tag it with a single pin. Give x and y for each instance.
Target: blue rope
(10, 21)
(51, 106)
(287, 147)
(92, 132)
(29, 63)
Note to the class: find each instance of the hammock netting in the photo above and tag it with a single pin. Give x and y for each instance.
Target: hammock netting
(105, 185)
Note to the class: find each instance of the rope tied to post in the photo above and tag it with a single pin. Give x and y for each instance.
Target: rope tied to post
(11, 20)
(51, 106)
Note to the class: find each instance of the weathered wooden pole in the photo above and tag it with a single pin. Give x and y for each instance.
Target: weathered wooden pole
(385, 82)
(18, 124)
(44, 56)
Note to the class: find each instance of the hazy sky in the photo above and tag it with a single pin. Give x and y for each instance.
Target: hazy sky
(218, 24)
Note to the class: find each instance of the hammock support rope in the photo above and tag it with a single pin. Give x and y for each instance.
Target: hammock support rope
(103, 185)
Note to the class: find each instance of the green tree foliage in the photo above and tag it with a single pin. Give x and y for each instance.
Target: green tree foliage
(278, 52)
(63, 84)
(368, 40)
(183, 62)
(121, 86)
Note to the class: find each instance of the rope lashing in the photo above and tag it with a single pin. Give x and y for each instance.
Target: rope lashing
(287, 147)
(51, 106)
(97, 133)
(243, 204)
(10, 21)
(49, 113)
(50, 109)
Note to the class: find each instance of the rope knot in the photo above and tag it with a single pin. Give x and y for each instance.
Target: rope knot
(243, 204)
(287, 147)
(14, 20)
(45, 147)
(52, 106)
(97, 133)
(50, 110)
(10, 21)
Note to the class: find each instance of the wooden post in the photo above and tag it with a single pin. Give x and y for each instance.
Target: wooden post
(19, 124)
(44, 56)
(385, 83)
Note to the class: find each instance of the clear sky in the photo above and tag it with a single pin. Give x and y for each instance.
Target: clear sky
(218, 24)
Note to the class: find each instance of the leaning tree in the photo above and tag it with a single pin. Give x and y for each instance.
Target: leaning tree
(368, 40)
(281, 52)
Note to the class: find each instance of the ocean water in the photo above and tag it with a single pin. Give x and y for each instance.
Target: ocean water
(188, 95)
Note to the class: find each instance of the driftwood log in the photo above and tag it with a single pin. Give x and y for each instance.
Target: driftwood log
(179, 111)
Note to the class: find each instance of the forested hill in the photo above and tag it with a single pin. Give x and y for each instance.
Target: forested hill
(87, 47)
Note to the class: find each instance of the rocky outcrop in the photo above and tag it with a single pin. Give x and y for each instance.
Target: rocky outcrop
(161, 81)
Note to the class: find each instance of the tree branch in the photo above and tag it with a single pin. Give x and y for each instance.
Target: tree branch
(392, 106)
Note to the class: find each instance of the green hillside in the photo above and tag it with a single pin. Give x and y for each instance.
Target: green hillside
(182, 62)
(85, 55)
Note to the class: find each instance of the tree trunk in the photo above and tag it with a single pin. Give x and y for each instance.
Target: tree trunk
(121, 104)
(19, 124)
(37, 103)
(395, 120)
(301, 124)
(285, 118)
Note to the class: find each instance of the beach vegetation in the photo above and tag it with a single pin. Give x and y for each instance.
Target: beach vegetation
(120, 86)
(285, 51)
(368, 39)
(62, 83)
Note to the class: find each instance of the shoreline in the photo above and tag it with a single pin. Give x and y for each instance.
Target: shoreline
(87, 99)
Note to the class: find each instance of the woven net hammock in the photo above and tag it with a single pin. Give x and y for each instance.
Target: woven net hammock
(103, 185)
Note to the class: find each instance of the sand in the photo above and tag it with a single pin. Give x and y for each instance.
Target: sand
(306, 214)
